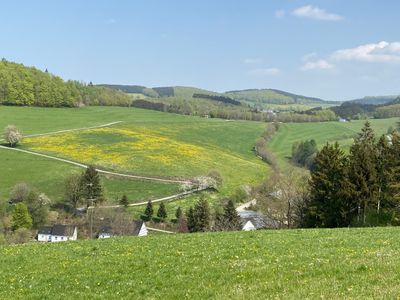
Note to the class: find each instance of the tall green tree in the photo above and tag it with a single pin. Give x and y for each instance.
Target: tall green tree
(201, 215)
(191, 222)
(21, 217)
(327, 206)
(231, 217)
(162, 211)
(363, 173)
(148, 212)
(91, 186)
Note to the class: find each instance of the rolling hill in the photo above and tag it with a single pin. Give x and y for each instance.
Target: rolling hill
(375, 100)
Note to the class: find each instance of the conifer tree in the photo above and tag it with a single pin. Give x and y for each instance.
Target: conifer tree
(201, 215)
(327, 206)
(91, 186)
(178, 213)
(362, 171)
(124, 201)
(148, 212)
(231, 218)
(162, 212)
(191, 222)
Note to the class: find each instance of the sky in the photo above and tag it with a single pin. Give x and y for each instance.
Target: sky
(336, 50)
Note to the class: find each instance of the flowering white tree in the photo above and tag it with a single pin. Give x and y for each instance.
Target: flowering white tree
(12, 135)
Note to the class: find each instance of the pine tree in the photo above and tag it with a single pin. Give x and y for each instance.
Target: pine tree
(191, 222)
(162, 212)
(21, 217)
(149, 210)
(178, 213)
(327, 206)
(91, 186)
(363, 172)
(201, 215)
(231, 218)
(124, 201)
(384, 172)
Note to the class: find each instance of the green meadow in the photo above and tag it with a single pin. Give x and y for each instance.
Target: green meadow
(283, 264)
(144, 143)
(323, 132)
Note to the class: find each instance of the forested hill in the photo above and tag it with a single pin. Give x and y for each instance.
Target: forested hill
(28, 86)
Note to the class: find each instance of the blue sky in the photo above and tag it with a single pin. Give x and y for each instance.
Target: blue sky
(331, 49)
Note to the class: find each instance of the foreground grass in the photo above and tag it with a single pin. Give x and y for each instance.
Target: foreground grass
(291, 264)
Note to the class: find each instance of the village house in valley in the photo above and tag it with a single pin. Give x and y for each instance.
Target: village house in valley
(57, 233)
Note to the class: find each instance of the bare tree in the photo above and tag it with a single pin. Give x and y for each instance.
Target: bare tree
(282, 196)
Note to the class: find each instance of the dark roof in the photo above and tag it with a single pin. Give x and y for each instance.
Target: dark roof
(58, 229)
(45, 230)
(257, 219)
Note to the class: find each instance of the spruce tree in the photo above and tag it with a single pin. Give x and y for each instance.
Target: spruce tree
(362, 171)
(327, 206)
(148, 212)
(91, 186)
(162, 212)
(178, 213)
(231, 218)
(191, 222)
(124, 201)
(201, 214)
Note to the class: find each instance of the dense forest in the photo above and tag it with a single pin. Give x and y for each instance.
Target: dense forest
(223, 99)
(356, 110)
(28, 86)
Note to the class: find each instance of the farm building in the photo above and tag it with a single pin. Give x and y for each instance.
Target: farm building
(57, 233)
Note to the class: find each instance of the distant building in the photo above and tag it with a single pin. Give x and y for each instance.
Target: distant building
(57, 233)
(136, 228)
(248, 226)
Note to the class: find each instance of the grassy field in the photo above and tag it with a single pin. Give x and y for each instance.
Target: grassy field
(145, 143)
(286, 264)
(289, 133)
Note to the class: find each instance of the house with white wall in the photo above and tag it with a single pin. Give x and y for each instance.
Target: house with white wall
(57, 233)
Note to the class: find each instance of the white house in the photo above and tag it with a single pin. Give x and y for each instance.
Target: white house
(139, 228)
(57, 233)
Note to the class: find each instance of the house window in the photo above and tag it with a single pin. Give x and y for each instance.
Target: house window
(55, 238)
(62, 238)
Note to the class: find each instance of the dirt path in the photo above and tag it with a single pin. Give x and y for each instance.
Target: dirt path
(169, 198)
(246, 205)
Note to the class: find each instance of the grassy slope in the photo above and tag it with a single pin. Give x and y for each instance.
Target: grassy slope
(285, 264)
(287, 134)
(224, 145)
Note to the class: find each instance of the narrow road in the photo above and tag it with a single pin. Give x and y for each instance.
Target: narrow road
(246, 205)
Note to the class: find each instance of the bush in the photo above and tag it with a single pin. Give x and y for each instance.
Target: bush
(145, 218)
(157, 219)
(20, 236)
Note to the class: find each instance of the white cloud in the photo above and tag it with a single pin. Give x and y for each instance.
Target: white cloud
(379, 52)
(280, 13)
(265, 71)
(319, 64)
(316, 13)
(251, 61)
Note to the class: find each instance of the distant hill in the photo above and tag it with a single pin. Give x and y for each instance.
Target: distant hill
(375, 100)
(28, 86)
(265, 96)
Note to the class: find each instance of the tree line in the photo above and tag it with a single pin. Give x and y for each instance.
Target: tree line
(358, 188)
(28, 86)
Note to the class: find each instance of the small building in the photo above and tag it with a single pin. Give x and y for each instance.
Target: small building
(57, 233)
(139, 228)
(248, 226)
(136, 228)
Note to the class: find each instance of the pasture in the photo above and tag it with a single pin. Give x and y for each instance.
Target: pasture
(282, 264)
(144, 143)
